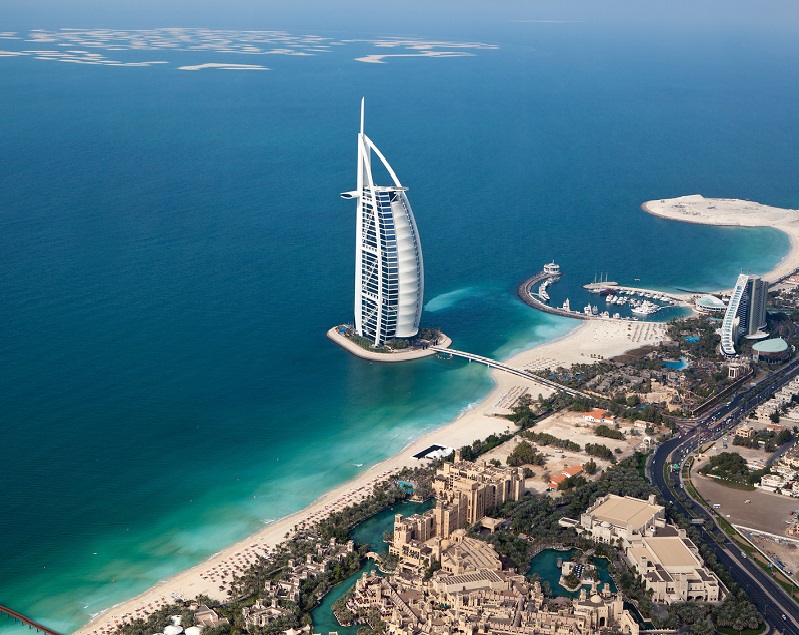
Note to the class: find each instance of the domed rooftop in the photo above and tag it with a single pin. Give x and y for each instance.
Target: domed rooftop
(774, 345)
(710, 302)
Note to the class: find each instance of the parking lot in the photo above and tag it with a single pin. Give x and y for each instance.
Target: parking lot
(766, 511)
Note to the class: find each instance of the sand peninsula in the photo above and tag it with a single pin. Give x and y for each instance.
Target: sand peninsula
(734, 212)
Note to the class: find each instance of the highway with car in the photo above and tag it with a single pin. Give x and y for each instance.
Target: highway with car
(778, 609)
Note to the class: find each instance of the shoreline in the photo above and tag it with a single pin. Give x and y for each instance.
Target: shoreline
(587, 338)
(730, 212)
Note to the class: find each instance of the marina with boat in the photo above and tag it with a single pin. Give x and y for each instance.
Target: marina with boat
(641, 303)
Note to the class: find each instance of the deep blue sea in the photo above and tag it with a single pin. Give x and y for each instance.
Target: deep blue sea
(173, 249)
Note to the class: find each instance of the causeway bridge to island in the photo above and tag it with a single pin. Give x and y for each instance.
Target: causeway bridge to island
(493, 363)
(24, 619)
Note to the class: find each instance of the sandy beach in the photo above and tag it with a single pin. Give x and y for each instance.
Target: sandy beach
(734, 212)
(588, 342)
(585, 343)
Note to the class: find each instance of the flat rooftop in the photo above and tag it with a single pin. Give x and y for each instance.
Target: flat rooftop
(672, 551)
(624, 511)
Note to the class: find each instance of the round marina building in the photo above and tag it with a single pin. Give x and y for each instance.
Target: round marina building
(710, 304)
(773, 351)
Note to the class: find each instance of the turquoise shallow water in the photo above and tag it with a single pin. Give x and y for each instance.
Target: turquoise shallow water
(369, 532)
(172, 250)
(545, 564)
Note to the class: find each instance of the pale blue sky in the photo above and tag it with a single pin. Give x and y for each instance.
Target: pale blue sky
(425, 17)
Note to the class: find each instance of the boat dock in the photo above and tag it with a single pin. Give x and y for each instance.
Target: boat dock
(531, 299)
(641, 300)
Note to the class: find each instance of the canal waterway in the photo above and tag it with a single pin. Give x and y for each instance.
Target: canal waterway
(545, 564)
(368, 532)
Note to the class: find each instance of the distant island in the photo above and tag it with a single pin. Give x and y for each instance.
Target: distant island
(734, 212)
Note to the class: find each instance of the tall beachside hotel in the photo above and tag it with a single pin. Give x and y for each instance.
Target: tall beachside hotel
(389, 271)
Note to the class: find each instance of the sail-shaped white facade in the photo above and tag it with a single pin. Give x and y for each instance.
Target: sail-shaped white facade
(389, 270)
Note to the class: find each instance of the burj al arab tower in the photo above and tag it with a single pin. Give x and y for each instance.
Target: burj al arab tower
(389, 271)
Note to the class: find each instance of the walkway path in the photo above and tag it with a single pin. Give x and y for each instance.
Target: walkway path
(492, 363)
(27, 621)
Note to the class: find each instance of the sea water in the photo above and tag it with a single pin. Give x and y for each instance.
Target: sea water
(172, 250)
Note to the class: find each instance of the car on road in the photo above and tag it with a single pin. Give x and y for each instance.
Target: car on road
(783, 617)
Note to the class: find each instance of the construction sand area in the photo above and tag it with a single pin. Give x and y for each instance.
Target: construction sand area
(571, 426)
(766, 511)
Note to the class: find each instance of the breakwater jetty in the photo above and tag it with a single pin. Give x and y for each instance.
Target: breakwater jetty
(640, 301)
(526, 295)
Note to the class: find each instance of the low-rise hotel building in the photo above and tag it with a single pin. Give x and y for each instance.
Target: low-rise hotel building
(485, 601)
(671, 566)
(663, 555)
(615, 518)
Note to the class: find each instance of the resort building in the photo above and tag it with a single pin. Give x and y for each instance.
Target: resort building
(663, 555)
(671, 566)
(745, 314)
(709, 304)
(204, 616)
(615, 517)
(262, 614)
(486, 601)
(773, 351)
(464, 491)
(389, 271)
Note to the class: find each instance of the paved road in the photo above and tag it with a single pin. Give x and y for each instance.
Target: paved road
(767, 595)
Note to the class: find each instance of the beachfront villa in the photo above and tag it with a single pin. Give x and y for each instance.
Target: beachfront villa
(667, 560)
(389, 271)
(464, 491)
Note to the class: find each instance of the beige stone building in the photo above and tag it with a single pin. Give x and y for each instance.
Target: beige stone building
(464, 491)
(615, 517)
(485, 601)
(263, 613)
(663, 555)
(745, 432)
(476, 487)
(671, 566)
